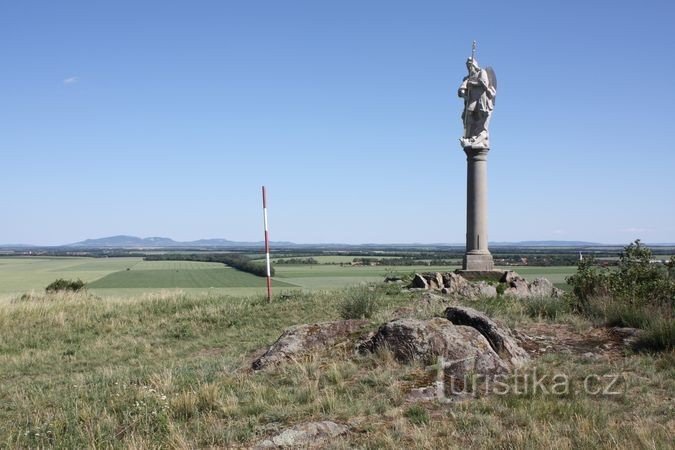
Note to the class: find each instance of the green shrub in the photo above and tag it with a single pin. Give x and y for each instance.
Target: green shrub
(359, 303)
(633, 294)
(62, 285)
(588, 283)
(637, 294)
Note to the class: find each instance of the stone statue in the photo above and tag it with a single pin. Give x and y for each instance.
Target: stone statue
(478, 89)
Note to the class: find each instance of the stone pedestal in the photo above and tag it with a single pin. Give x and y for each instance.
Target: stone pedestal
(477, 256)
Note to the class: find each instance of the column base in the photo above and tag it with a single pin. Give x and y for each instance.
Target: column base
(478, 262)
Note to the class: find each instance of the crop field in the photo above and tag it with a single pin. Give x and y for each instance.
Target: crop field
(22, 274)
(131, 276)
(179, 274)
(127, 277)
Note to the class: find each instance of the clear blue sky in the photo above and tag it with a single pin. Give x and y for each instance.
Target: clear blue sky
(164, 118)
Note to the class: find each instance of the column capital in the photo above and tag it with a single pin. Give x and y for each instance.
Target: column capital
(476, 154)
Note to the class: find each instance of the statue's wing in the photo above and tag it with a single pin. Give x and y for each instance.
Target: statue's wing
(491, 76)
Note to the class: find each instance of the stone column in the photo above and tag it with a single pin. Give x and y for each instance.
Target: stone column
(477, 256)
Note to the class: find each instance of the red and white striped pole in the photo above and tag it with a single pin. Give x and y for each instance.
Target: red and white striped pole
(267, 246)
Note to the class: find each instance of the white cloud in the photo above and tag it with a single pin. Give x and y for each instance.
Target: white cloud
(559, 232)
(71, 80)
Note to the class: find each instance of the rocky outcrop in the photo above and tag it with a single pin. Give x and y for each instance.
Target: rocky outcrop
(302, 339)
(304, 435)
(464, 347)
(517, 286)
(541, 287)
(472, 285)
(453, 284)
(500, 338)
(419, 282)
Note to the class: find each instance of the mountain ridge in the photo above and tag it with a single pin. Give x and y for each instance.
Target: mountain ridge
(153, 242)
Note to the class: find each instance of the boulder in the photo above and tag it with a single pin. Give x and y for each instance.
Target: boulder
(419, 282)
(301, 339)
(464, 347)
(454, 282)
(484, 289)
(517, 286)
(541, 287)
(500, 338)
(435, 280)
(510, 276)
(457, 285)
(628, 336)
(304, 435)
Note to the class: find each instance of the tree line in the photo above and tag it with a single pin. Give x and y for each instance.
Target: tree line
(234, 260)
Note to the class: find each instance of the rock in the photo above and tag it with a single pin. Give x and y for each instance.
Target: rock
(304, 435)
(541, 287)
(510, 276)
(500, 338)
(435, 280)
(425, 340)
(484, 289)
(419, 282)
(423, 394)
(301, 339)
(517, 286)
(457, 285)
(432, 299)
(627, 335)
(454, 281)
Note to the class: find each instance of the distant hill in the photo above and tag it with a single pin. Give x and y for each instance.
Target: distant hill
(546, 244)
(123, 241)
(155, 242)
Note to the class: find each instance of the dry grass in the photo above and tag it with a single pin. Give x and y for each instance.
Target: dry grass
(166, 371)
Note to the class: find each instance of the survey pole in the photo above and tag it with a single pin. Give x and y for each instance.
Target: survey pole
(267, 246)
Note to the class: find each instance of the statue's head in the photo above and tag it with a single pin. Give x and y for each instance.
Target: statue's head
(472, 65)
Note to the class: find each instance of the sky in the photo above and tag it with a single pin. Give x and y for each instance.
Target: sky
(156, 118)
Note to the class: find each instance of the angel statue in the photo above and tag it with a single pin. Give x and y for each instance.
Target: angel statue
(478, 89)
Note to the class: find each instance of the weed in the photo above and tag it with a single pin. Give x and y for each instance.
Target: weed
(359, 303)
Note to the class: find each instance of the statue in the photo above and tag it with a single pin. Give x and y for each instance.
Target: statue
(478, 89)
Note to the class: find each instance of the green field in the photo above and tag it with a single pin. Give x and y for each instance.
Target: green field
(22, 274)
(206, 275)
(127, 277)
(131, 276)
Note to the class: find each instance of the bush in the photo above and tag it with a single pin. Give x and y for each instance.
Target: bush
(638, 294)
(61, 285)
(359, 303)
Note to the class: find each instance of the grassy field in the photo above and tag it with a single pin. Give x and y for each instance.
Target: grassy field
(128, 277)
(22, 274)
(170, 372)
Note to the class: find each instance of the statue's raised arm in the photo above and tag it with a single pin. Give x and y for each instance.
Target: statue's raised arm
(478, 89)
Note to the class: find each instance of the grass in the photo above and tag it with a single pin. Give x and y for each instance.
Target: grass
(161, 371)
(21, 274)
(359, 303)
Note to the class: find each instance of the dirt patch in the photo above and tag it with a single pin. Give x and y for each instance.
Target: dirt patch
(543, 338)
